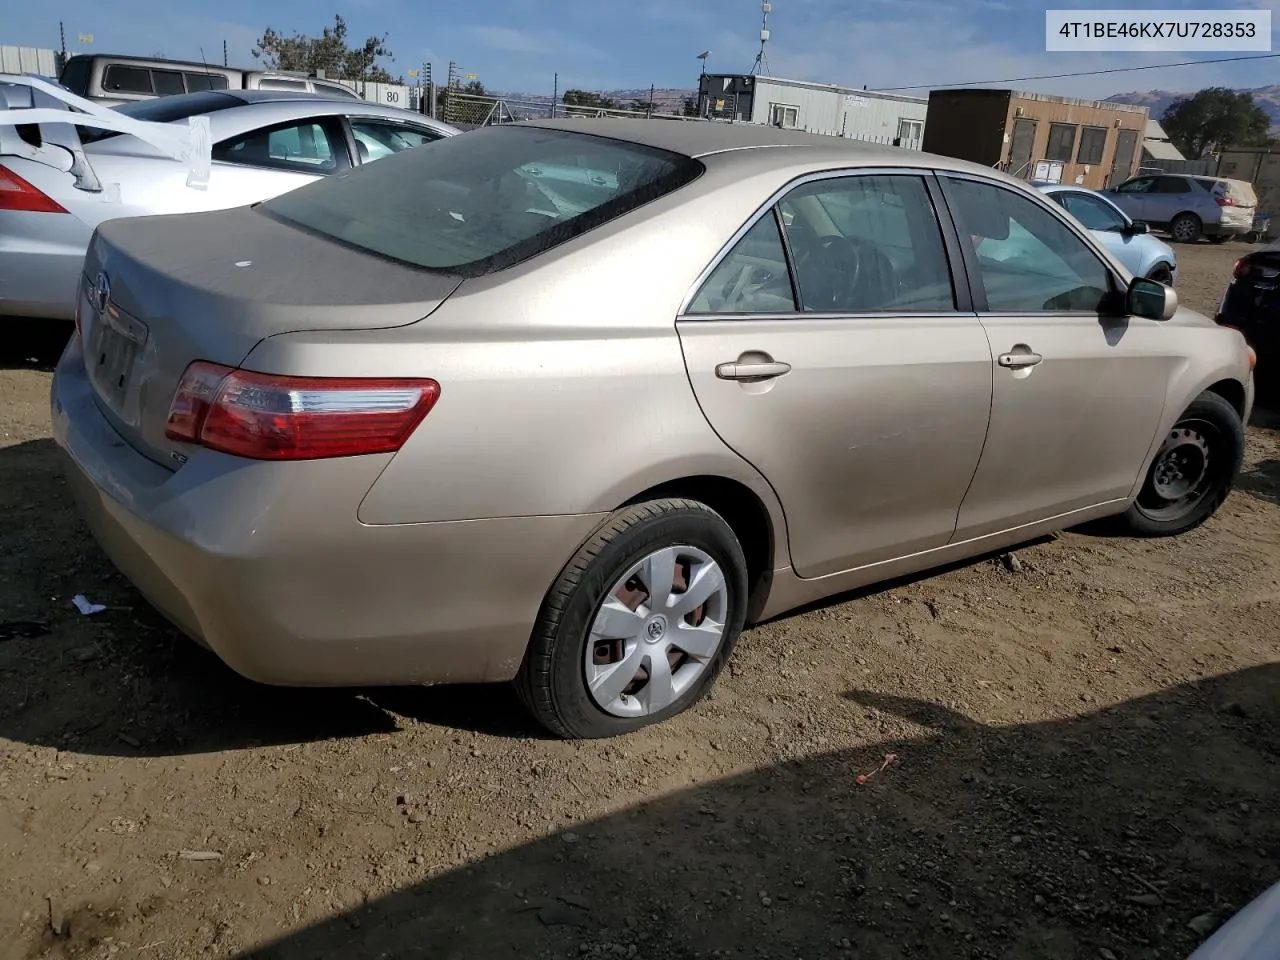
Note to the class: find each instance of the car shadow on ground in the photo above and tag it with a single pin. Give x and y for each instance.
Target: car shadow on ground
(1129, 832)
(33, 344)
(1261, 481)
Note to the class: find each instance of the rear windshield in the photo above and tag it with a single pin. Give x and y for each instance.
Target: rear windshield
(484, 200)
(165, 110)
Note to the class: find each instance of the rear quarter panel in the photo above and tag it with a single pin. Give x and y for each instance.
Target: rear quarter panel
(563, 384)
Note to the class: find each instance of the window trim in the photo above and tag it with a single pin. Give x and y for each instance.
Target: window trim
(960, 282)
(333, 128)
(774, 107)
(970, 256)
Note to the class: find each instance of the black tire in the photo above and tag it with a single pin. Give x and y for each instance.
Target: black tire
(1161, 273)
(552, 680)
(1186, 228)
(1214, 421)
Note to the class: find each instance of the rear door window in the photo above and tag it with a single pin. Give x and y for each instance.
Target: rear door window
(205, 81)
(167, 82)
(118, 78)
(752, 278)
(306, 146)
(376, 139)
(473, 204)
(1094, 213)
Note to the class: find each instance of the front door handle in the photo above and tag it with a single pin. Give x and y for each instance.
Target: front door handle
(760, 370)
(1016, 361)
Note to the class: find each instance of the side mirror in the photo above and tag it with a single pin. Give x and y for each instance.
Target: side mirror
(1151, 299)
(1137, 227)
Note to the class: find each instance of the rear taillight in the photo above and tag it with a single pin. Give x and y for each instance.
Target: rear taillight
(262, 416)
(18, 195)
(1242, 269)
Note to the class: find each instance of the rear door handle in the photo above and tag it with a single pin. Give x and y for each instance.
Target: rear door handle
(761, 370)
(1016, 361)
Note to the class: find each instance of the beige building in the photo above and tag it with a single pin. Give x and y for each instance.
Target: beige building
(1038, 135)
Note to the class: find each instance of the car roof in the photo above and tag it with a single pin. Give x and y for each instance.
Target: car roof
(700, 138)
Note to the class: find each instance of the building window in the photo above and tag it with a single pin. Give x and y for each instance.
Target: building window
(1093, 141)
(1062, 141)
(781, 115)
(910, 129)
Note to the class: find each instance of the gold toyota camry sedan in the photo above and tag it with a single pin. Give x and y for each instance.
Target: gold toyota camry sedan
(570, 403)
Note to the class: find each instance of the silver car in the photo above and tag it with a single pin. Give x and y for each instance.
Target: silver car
(1189, 207)
(265, 143)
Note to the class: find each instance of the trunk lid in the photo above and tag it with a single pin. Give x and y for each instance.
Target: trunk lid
(161, 292)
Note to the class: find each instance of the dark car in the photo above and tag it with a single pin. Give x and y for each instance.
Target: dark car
(1252, 305)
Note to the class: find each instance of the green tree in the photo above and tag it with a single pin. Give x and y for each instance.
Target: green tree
(584, 98)
(329, 52)
(690, 108)
(475, 88)
(643, 106)
(1214, 118)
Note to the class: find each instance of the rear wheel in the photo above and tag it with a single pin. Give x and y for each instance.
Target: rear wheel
(639, 624)
(1161, 274)
(1186, 228)
(1193, 471)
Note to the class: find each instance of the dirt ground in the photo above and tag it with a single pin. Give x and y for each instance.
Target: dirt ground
(1087, 766)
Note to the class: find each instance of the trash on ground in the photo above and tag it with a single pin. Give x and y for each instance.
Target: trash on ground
(86, 607)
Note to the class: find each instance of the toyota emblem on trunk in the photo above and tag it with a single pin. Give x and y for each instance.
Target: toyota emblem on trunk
(102, 293)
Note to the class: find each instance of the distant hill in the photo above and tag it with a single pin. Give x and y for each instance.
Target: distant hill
(1158, 101)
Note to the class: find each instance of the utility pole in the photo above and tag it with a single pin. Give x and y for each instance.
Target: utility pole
(224, 54)
(555, 96)
(62, 36)
(649, 110)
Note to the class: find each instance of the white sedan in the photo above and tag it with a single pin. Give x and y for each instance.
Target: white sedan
(265, 143)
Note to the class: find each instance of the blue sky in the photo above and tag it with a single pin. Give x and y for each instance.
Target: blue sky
(520, 44)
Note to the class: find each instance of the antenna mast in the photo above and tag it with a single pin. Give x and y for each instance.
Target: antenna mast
(761, 63)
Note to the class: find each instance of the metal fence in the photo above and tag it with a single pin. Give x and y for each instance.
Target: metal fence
(474, 110)
(1195, 168)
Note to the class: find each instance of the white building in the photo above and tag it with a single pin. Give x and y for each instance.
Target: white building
(822, 108)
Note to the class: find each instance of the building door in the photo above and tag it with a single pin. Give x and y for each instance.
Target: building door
(1020, 150)
(1126, 143)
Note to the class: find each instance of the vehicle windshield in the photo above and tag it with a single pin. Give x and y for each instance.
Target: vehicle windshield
(479, 202)
(164, 110)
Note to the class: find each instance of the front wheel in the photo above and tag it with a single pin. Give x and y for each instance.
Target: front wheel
(1161, 274)
(639, 624)
(1193, 471)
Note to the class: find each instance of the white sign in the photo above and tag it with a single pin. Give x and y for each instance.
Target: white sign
(1128, 31)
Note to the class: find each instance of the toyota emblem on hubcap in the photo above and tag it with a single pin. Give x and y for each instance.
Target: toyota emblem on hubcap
(102, 292)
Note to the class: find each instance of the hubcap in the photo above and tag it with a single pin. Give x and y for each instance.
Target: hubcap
(1184, 229)
(658, 627)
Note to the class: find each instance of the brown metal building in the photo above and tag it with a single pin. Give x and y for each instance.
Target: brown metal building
(1092, 142)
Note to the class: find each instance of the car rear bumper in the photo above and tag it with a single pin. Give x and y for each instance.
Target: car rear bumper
(329, 603)
(41, 255)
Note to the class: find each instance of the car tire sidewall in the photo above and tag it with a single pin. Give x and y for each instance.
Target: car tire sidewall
(1161, 273)
(702, 529)
(1223, 416)
(1186, 218)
